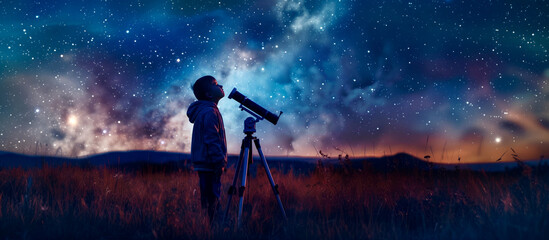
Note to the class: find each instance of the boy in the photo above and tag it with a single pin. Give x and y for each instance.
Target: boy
(209, 145)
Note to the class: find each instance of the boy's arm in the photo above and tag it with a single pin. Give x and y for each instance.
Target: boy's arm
(213, 140)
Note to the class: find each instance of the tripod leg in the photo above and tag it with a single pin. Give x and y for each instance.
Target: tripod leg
(232, 188)
(244, 172)
(268, 171)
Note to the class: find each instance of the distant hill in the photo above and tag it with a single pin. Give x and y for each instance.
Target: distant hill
(172, 160)
(402, 161)
(110, 159)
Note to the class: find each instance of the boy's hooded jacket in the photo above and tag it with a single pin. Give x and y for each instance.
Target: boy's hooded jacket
(209, 145)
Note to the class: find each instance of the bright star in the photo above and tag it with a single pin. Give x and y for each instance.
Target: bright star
(73, 120)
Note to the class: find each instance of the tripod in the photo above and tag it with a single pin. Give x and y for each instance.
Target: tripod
(244, 159)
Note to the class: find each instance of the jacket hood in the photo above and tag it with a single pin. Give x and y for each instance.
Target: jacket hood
(196, 107)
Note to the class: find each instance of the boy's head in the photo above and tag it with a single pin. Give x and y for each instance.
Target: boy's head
(206, 88)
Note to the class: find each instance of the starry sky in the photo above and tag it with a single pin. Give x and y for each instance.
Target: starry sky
(463, 80)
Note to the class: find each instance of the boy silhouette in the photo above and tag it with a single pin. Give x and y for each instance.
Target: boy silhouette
(209, 145)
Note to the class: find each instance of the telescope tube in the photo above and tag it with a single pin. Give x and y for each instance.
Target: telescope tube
(239, 97)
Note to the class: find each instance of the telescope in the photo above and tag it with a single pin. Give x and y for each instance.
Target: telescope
(251, 105)
(246, 156)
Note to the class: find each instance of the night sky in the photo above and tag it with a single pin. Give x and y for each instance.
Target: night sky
(454, 80)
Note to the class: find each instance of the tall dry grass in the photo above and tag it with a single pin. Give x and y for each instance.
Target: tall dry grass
(342, 203)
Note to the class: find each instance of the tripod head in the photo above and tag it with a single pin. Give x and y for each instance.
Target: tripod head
(249, 123)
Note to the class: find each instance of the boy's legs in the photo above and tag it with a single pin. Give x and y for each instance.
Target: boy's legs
(210, 190)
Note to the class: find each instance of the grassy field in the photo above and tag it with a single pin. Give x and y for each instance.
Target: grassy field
(105, 203)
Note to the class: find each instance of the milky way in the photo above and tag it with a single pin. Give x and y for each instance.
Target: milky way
(463, 80)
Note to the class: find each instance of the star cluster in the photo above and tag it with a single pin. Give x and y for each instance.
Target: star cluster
(451, 79)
